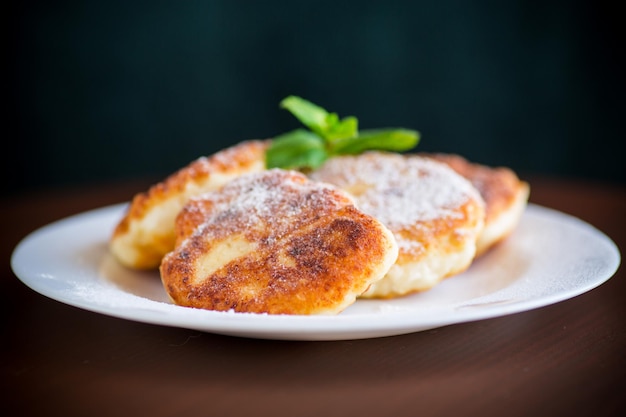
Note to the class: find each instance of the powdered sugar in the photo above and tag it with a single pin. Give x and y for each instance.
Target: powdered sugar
(274, 200)
(399, 191)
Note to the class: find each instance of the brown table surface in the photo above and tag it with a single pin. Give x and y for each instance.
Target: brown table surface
(564, 359)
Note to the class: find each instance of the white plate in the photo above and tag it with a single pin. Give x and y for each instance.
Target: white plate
(550, 257)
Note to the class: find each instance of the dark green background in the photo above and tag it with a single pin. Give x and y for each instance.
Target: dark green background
(122, 89)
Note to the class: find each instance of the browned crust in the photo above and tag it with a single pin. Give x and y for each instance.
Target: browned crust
(439, 234)
(231, 159)
(436, 230)
(499, 186)
(314, 251)
(149, 243)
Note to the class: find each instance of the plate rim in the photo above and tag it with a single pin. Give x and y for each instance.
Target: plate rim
(336, 327)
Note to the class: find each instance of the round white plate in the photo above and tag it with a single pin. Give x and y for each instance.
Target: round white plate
(549, 258)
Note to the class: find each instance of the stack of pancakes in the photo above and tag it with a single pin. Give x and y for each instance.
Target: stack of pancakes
(228, 234)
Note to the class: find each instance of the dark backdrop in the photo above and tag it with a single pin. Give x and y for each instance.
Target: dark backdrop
(107, 90)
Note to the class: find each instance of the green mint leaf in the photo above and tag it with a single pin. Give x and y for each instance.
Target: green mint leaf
(311, 115)
(394, 140)
(332, 119)
(329, 136)
(327, 125)
(296, 149)
(347, 128)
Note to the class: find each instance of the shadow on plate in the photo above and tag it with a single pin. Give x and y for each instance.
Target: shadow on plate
(146, 284)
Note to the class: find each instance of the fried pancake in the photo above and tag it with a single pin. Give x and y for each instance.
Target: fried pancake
(435, 214)
(146, 232)
(275, 242)
(505, 196)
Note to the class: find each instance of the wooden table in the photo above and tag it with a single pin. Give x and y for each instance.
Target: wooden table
(566, 359)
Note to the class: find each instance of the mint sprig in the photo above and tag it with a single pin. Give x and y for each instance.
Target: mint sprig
(328, 136)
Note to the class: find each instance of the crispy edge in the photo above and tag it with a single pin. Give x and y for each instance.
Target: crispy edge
(176, 190)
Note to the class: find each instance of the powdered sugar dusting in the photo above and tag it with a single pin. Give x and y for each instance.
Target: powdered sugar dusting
(274, 200)
(400, 191)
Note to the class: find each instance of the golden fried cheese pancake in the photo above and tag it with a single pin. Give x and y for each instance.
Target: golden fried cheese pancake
(275, 242)
(435, 214)
(505, 196)
(146, 232)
